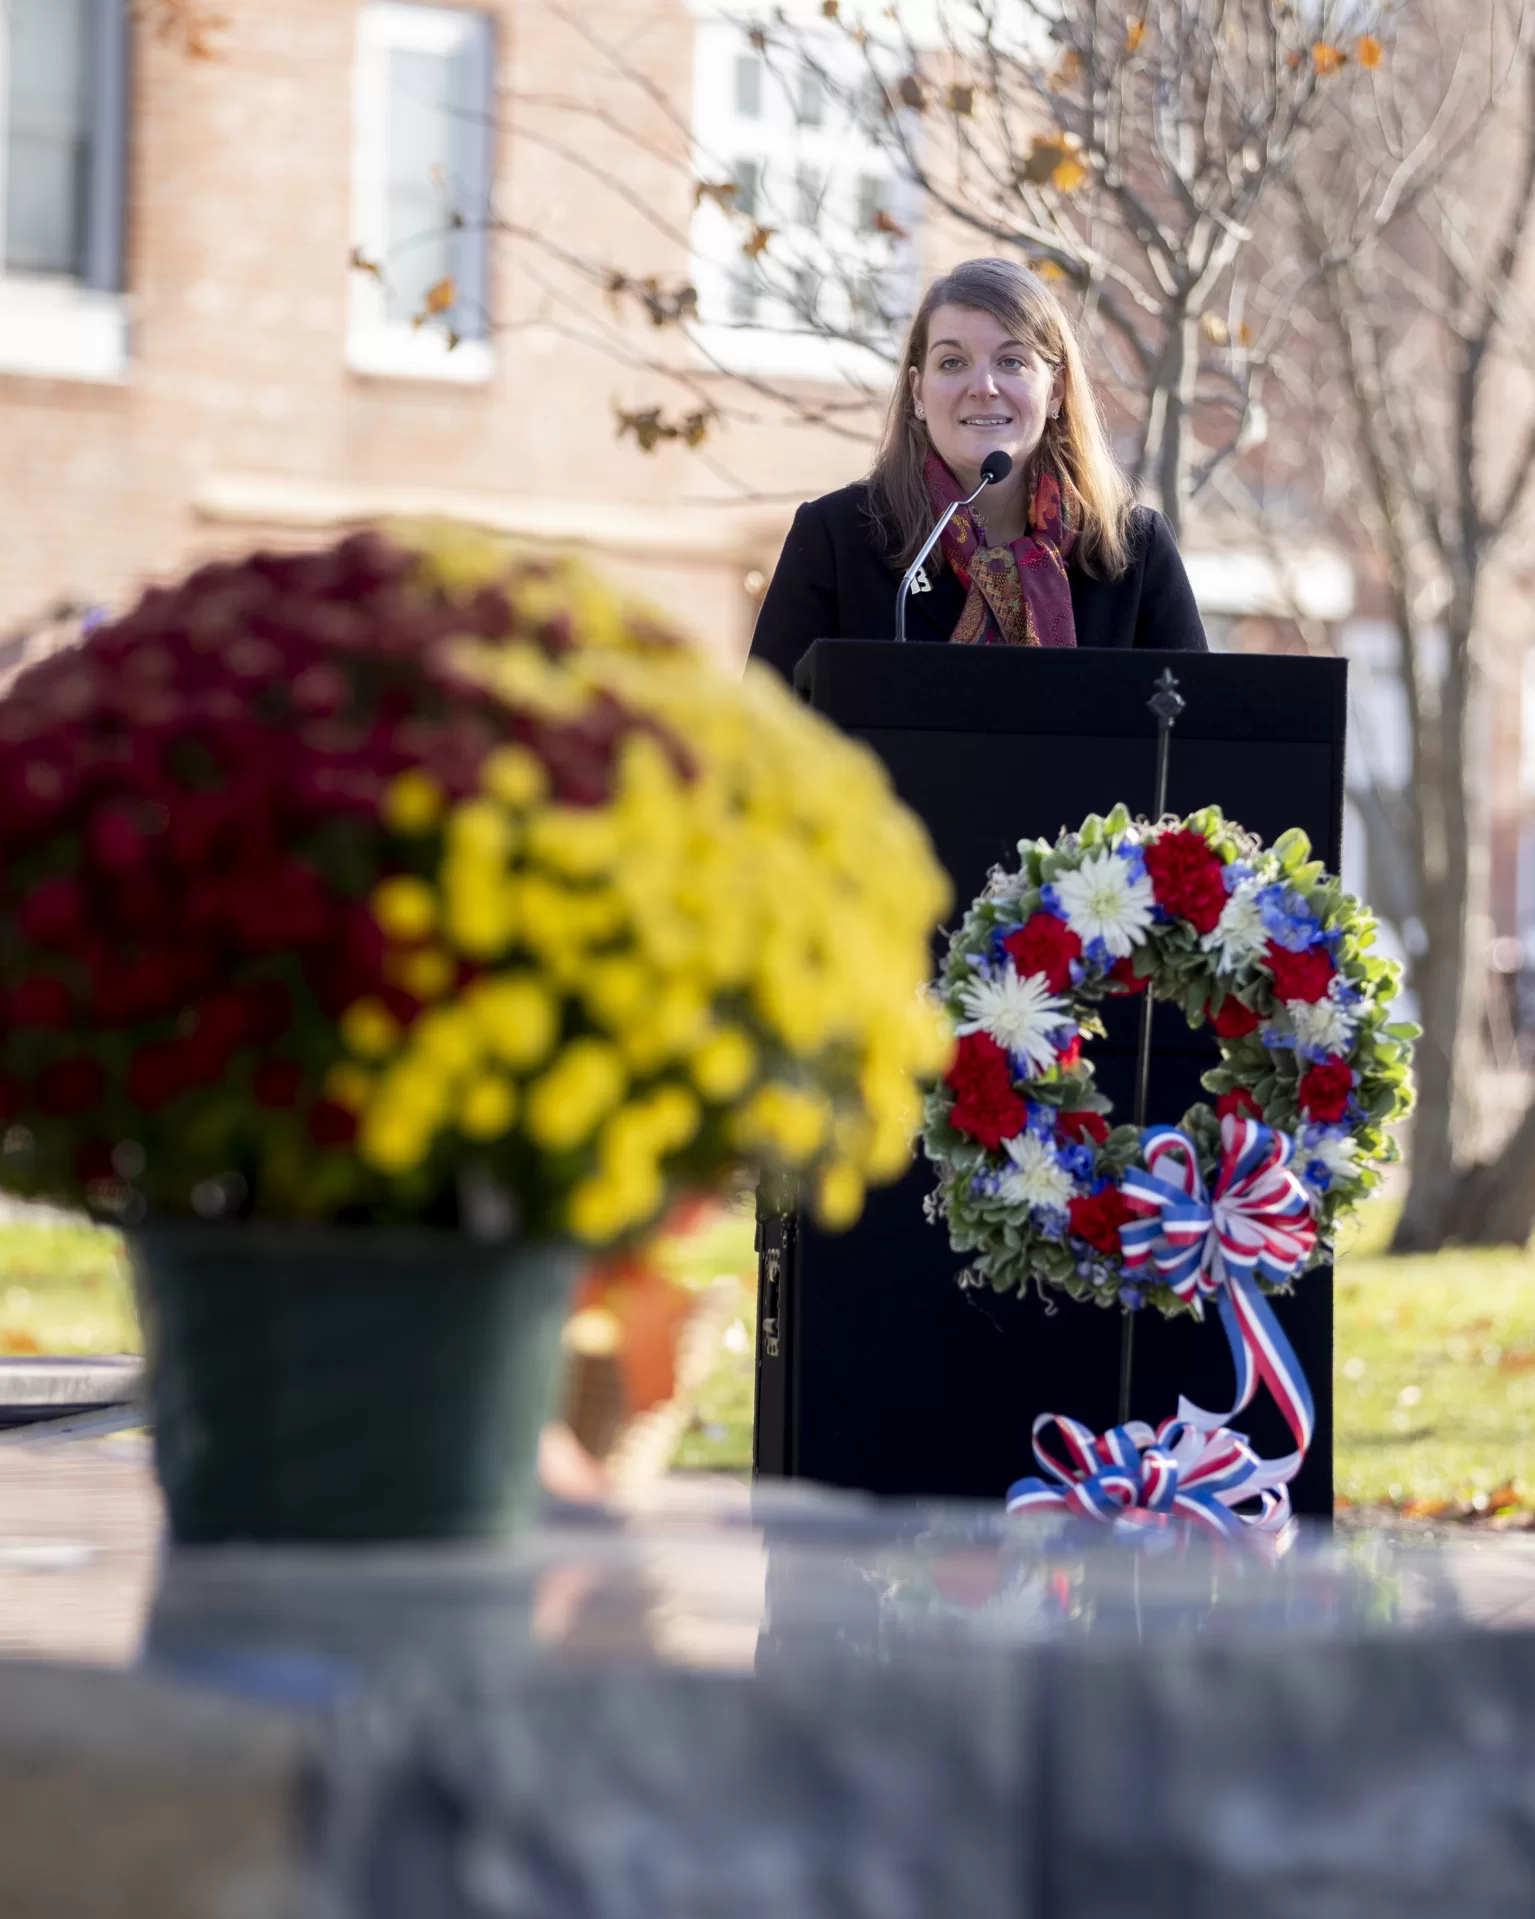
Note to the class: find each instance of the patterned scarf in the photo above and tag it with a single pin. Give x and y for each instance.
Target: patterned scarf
(1016, 595)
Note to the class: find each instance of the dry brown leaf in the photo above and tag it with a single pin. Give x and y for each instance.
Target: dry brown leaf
(960, 101)
(1368, 51)
(830, 9)
(723, 193)
(1135, 33)
(1069, 175)
(1068, 69)
(1327, 58)
(884, 223)
(360, 263)
(912, 93)
(440, 295)
(756, 245)
(1045, 155)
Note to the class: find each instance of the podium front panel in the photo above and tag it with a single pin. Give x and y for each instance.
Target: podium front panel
(879, 1372)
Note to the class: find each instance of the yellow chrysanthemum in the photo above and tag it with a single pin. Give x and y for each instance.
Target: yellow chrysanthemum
(565, 1105)
(448, 1039)
(369, 1029)
(405, 907)
(427, 972)
(413, 802)
(514, 775)
(839, 1196)
(487, 1107)
(348, 1085)
(518, 1015)
(723, 1065)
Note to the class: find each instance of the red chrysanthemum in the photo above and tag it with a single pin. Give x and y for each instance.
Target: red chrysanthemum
(156, 1074)
(41, 999)
(1236, 1019)
(1325, 1089)
(1187, 877)
(331, 1125)
(1083, 1125)
(1239, 1103)
(70, 1086)
(985, 1106)
(1097, 1217)
(53, 913)
(276, 1082)
(1045, 944)
(1304, 975)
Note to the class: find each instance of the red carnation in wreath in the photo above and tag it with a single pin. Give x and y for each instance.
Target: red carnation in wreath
(1239, 1103)
(985, 1107)
(1325, 1089)
(1304, 976)
(1187, 877)
(1082, 1125)
(1235, 1020)
(1097, 1217)
(1045, 944)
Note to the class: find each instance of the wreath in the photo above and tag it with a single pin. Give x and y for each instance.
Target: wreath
(1261, 943)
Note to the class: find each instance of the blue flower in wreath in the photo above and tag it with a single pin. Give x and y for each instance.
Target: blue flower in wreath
(1289, 920)
(1078, 1160)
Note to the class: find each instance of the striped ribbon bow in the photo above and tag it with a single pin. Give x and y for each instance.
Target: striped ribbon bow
(1256, 1225)
(1132, 1477)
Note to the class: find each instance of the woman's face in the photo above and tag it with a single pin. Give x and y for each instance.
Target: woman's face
(980, 389)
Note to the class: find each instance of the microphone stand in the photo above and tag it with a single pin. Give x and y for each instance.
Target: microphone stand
(932, 540)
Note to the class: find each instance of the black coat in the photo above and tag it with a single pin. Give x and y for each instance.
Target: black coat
(833, 583)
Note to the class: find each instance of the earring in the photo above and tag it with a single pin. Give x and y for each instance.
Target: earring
(920, 410)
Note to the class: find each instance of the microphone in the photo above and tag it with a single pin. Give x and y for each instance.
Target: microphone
(996, 466)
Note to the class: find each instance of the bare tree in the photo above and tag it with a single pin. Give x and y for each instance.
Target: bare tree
(1415, 220)
(1126, 148)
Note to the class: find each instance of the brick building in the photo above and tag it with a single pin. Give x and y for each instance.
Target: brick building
(380, 257)
(188, 362)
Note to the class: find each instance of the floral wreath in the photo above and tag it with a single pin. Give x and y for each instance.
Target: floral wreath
(1263, 944)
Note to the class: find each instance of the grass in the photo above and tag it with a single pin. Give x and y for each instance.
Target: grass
(64, 1288)
(1435, 1356)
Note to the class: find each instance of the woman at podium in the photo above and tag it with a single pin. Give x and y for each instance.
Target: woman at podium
(1054, 554)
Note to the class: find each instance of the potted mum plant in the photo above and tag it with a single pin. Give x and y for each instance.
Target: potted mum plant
(386, 929)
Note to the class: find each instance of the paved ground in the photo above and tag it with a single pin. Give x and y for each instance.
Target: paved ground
(80, 1525)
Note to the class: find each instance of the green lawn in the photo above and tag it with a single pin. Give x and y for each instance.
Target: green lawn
(64, 1289)
(1435, 1359)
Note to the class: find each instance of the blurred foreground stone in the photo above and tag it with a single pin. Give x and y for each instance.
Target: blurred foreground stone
(808, 1706)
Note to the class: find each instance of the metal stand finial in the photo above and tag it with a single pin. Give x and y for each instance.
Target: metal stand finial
(1166, 703)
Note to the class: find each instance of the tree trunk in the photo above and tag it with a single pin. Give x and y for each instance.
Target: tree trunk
(1164, 451)
(1448, 976)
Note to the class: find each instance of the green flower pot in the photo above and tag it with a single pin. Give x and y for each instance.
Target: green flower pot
(344, 1384)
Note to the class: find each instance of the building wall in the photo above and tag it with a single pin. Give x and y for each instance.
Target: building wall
(238, 419)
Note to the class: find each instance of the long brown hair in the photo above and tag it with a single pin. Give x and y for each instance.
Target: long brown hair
(1095, 493)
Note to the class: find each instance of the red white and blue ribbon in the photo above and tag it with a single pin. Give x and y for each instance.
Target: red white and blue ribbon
(1256, 1225)
(1132, 1478)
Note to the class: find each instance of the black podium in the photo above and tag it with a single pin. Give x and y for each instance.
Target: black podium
(874, 1370)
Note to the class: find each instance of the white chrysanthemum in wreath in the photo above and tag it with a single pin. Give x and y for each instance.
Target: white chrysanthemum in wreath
(1240, 933)
(1022, 1015)
(1038, 1178)
(1321, 1026)
(1104, 899)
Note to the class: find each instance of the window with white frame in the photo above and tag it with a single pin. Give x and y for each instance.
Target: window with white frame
(63, 125)
(423, 130)
(805, 263)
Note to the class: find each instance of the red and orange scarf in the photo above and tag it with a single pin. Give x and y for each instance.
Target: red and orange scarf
(1018, 594)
